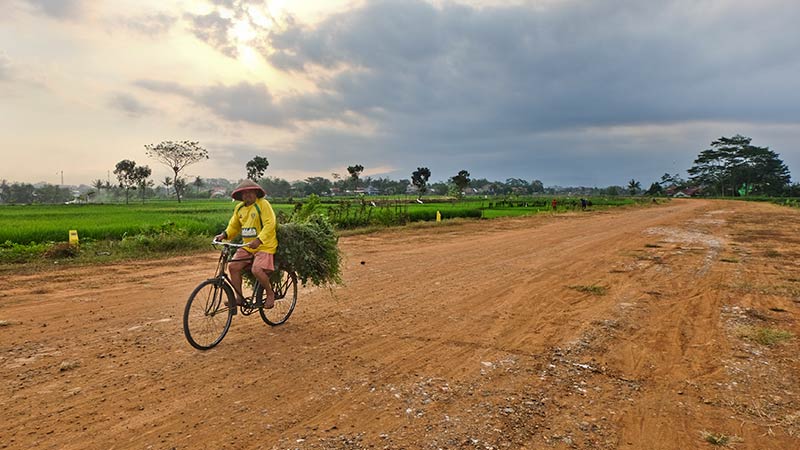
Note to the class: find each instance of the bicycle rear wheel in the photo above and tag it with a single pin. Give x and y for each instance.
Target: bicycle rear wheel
(284, 284)
(206, 319)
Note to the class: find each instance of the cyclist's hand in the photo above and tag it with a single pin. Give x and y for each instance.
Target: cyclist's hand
(255, 243)
(220, 237)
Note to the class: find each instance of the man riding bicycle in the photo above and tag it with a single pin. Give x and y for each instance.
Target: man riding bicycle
(254, 219)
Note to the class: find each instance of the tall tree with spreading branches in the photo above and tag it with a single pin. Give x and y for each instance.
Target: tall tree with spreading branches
(176, 156)
(355, 172)
(734, 166)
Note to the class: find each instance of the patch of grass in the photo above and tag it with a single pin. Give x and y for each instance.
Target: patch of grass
(771, 253)
(652, 246)
(4, 323)
(590, 289)
(720, 440)
(765, 335)
(729, 260)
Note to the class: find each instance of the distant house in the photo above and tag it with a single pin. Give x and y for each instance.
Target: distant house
(686, 193)
(369, 190)
(218, 192)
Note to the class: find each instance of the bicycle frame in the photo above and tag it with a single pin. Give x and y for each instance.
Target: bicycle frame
(221, 274)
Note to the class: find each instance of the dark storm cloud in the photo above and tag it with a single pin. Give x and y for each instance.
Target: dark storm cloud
(454, 83)
(59, 9)
(518, 69)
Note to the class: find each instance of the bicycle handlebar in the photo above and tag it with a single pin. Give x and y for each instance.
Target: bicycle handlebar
(229, 244)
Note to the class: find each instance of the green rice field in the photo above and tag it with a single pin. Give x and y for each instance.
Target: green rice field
(25, 224)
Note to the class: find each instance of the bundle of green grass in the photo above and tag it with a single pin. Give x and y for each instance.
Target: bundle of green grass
(308, 246)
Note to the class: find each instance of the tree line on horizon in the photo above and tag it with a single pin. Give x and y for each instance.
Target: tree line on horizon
(731, 167)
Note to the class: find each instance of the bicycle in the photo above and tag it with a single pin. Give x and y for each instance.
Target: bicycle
(207, 318)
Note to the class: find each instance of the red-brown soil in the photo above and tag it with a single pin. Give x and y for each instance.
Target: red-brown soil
(623, 329)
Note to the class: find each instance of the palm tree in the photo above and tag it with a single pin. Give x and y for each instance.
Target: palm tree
(634, 187)
(167, 183)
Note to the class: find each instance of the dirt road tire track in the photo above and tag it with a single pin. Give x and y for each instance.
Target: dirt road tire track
(616, 329)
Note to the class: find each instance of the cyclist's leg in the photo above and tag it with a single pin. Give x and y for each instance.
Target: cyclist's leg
(241, 260)
(263, 266)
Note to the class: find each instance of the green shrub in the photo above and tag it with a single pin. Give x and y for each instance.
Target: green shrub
(20, 253)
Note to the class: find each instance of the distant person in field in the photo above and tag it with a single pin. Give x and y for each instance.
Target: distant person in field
(583, 204)
(554, 204)
(253, 219)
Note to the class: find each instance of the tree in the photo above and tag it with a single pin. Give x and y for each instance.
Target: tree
(198, 184)
(732, 163)
(176, 156)
(518, 186)
(655, 189)
(140, 176)
(318, 186)
(125, 172)
(276, 187)
(461, 181)
(98, 184)
(355, 172)
(419, 178)
(167, 182)
(53, 194)
(256, 168)
(634, 187)
(180, 187)
(18, 193)
(668, 180)
(537, 187)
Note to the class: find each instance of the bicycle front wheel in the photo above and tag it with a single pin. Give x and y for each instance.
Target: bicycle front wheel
(206, 318)
(284, 284)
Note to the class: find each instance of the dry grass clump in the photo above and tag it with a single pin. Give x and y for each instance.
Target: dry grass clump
(718, 439)
(764, 335)
(590, 289)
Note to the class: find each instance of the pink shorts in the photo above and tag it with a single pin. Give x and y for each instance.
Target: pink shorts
(261, 260)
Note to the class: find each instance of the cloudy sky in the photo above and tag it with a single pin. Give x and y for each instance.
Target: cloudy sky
(570, 92)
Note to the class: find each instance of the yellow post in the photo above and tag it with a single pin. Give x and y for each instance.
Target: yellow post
(73, 237)
(438, 216)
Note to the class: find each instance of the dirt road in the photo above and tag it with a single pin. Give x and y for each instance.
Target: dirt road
(629, 329)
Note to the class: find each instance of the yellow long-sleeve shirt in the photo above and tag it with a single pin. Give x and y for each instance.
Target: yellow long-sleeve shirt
(246, 221)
